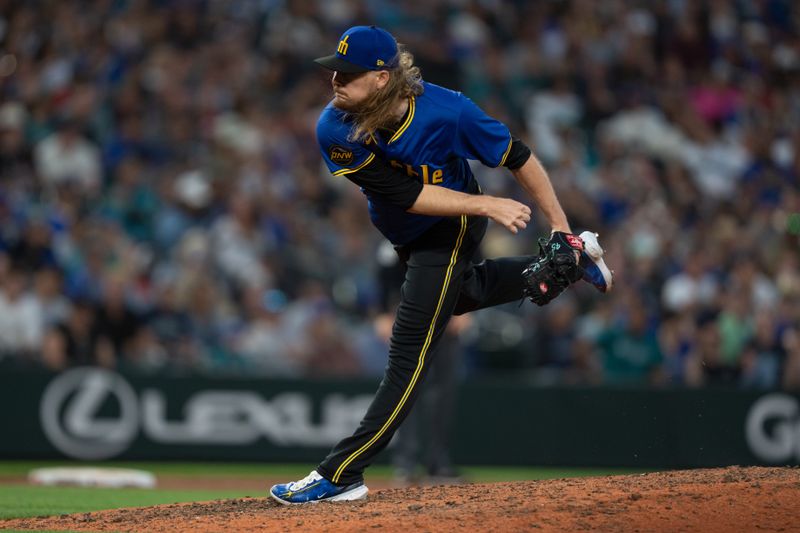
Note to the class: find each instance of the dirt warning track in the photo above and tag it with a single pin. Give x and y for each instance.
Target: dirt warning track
(708, 500)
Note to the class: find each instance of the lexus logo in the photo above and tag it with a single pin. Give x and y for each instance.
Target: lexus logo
(91, 414)
(72, 416)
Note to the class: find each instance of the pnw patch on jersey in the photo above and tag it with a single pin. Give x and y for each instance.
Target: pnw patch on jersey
(340, 155)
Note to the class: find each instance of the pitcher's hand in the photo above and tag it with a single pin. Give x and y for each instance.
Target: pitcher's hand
(513, 215)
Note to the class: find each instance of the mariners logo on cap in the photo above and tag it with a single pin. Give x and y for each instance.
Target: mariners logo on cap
(362, 48)
(342, 49)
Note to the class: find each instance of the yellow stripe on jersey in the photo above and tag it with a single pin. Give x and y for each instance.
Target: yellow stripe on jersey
(420, 361)
(505, 155)
(345, 171)
(411, 105)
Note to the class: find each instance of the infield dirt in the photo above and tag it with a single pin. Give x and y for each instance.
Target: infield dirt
(708, 500)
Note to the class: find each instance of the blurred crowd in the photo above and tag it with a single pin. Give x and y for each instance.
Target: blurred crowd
(163, 207)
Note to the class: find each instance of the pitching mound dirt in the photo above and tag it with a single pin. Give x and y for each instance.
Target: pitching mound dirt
(720, 500)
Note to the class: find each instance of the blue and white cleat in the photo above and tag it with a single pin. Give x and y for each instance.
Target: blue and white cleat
(595, 270)
(314, 488)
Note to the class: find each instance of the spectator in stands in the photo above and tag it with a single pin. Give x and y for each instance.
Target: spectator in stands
(48, 290)
(691, 289)
(764, 354)
(556, 341)
(74, 341)
(262, 342)
(21, 317)
(16, 159)
(238, 244)
(790, 341)
(630, 350)
(67, 159)
(708, 366)
(116, 324)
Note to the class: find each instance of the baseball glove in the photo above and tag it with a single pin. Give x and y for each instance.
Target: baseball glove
(555, 269)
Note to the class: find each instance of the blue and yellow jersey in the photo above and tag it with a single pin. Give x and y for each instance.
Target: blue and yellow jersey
(441, 130)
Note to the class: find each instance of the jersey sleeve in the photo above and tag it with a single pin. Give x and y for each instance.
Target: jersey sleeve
(481, 137)
(342, 157)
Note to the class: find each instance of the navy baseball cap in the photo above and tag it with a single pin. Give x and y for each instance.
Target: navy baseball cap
(362, 48)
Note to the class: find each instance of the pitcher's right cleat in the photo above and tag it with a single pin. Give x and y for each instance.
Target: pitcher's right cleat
(595, 270)
(314, 488)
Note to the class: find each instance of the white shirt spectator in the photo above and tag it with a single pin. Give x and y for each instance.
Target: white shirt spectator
(692, 287)
(645, 129)
(716, 166)
(548, 112)
(66, 157)
(238, 254)
(263, 345)
(683, 291)
(239, 245)
(21, 323)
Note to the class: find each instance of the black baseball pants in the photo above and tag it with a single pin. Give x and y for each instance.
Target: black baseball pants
(441, 280)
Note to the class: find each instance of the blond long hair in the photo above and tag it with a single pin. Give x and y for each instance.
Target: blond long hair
(376, 112)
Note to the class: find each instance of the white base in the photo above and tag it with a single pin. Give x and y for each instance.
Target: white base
(84, 476)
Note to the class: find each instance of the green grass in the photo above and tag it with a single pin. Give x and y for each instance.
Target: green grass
(17, 501)
(249, 470)
(23, 501)
(478, 474)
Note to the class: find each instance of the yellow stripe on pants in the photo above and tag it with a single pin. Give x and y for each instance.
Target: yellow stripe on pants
(420, 361)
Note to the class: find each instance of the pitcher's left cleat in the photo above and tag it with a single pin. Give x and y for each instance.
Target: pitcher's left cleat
(314, 488)
(595, 270)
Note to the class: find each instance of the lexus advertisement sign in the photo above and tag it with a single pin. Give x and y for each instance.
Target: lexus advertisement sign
(93, 414)
(773, 429)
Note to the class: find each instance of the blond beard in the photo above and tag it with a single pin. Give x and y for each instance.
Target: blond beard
(345, 105)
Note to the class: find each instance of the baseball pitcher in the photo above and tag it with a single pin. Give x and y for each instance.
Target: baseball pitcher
(406, 143)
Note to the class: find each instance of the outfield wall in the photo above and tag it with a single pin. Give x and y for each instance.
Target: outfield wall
(95, 414)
